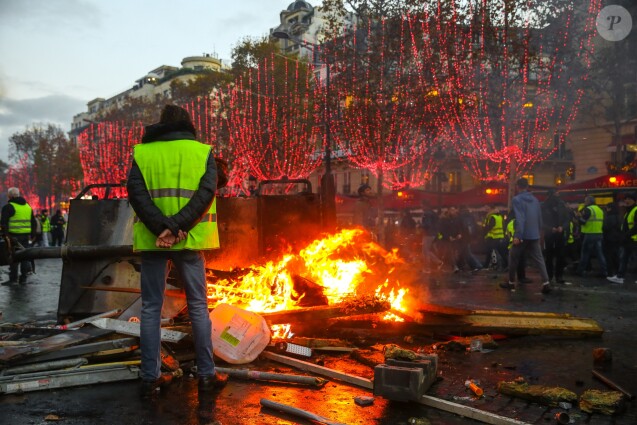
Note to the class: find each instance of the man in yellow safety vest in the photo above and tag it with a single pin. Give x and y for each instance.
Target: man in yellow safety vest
(18, 223)
(592, 219)
(171, 187)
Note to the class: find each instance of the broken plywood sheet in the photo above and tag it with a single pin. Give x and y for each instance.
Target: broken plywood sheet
(604, 402)
(541, 394)
(507, 322)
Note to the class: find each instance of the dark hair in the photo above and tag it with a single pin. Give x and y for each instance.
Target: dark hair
(522, 183)
(173, 113)
(362, 188)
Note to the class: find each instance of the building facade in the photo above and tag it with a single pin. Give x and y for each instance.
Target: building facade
(154, 86)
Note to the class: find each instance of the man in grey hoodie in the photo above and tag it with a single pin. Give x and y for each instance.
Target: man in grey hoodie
(526, 238)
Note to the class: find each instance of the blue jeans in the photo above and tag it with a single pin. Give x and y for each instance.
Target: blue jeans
(190, 265)
(592, 242)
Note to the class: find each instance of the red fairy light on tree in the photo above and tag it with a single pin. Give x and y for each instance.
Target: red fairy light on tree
(509, 75)
(384, 120)
(106, 153)
(205, 115)
(21, 175)
(271, 119)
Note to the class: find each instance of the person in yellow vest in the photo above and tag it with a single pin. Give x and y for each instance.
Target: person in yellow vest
(18, 223)
(592, 219)
(171, 187)
(508, 239)
(629, 232)
(494, 236)
(46, 227)
(572, 235)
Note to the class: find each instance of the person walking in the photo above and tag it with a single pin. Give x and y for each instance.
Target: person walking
(171, 187)
(555, 220)
(629, 238)
(18, 223)
(592, 219)
(468, 234)
(612, 238)
(57, 228)
(526, 236)
(430, 226)
(494, 237)
(364, 211)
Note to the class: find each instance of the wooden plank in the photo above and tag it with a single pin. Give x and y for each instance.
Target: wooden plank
(320, 370)
(322, 313)
(447, 406)
(517, 323)
(468, 412)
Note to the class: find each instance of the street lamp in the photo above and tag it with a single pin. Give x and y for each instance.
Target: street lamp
(328, 189)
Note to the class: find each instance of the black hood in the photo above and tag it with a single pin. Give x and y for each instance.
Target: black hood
(169, 131)
(18, 200)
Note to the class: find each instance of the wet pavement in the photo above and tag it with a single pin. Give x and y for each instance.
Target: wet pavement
(543, 360)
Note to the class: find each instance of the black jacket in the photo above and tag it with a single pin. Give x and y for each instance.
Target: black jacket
(8, 211)
(554, 214)
(139, 196)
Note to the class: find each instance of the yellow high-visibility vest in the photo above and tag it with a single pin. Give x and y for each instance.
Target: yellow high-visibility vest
(172, 171)
(20, 222)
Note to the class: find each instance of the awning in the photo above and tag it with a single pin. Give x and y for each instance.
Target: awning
(614, 181)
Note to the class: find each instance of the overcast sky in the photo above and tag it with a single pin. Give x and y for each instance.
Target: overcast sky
(59, 54)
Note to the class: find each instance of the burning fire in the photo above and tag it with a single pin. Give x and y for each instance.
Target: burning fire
(328, 271)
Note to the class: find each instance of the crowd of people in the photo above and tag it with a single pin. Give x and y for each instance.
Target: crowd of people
(21, 225)
(587, 239)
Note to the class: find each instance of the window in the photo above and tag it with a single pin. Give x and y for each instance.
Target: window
(530, 178)
(347, 182)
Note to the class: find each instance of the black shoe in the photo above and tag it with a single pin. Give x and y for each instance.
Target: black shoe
(507, 285)
(148, 389)
(559, 280)
(546, 288)
(525, 280)
(23, 280)
(9, 282)
(212, 382)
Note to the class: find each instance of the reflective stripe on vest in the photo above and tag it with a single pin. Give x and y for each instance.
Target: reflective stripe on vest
(497, 232)
(571, 238)
(595, 222)
(172, 171)
(20, 222)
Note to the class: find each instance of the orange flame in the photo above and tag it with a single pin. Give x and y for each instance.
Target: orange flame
(342, 265)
